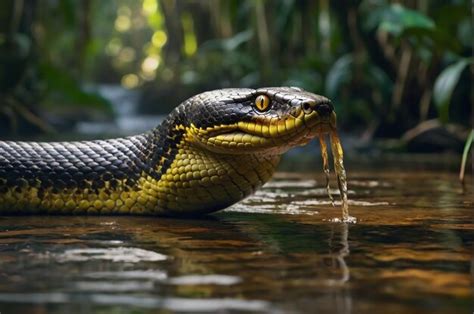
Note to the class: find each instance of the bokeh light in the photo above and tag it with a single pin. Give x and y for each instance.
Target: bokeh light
(113, 47)
(150, 64)
(149, 6)
(159, 39)
(122, 23)
(190, 42)
(127, 54)
(130, 81)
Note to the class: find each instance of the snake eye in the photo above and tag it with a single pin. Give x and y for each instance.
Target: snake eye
(262, 102)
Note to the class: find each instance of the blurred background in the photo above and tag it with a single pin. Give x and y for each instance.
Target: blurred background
(399, 72)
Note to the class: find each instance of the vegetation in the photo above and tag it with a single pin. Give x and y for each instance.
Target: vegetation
(387, 65)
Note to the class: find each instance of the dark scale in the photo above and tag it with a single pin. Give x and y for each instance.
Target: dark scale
(90, 164)
(71, 165)
(162, 146)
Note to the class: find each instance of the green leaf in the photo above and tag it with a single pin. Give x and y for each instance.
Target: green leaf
(373, 14)
(399, 19)
(238, 39)
(228, 44)
(395, 18)
(467, 147)
(338, 75)
(445, 84)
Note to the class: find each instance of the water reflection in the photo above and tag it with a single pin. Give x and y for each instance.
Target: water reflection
(118, 254)
(339, 244)
(250, 259)
(181, 258)
(340, 255)
(117, 303)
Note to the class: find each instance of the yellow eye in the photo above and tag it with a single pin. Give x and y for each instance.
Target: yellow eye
(262, 103)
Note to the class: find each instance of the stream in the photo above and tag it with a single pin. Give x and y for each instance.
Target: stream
(278, 251)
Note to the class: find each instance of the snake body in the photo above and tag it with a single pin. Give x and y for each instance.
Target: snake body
(211, 151)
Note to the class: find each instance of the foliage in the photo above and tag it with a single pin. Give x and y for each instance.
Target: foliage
(467, 148)
(445, 84)
(397, 20)
(35, 65)
(376, 59)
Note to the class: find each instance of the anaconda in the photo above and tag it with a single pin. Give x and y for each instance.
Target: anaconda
(213, 150)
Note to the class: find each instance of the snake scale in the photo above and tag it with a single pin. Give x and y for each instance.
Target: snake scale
(211, 151)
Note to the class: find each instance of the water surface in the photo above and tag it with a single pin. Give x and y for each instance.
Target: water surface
(281, 250)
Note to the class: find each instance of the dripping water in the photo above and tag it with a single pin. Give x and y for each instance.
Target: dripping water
(338, 156)
(324, 154)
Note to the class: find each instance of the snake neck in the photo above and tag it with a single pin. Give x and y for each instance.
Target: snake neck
(200, 181)
(183, 177)
(162, 146)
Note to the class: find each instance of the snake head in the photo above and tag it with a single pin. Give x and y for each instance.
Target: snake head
(266, 120)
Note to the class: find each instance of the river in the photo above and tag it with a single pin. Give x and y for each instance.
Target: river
(279, 251)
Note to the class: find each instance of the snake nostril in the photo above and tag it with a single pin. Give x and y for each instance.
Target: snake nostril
(324, 109)
(307, 107)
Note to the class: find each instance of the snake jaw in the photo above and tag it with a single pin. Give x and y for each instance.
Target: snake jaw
(267, 135)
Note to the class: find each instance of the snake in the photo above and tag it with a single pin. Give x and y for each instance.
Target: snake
(211, 151)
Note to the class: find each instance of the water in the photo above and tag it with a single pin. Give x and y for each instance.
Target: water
(326, 169)
(280, 251)
(127, 120)
(338, 156)
(337, 152)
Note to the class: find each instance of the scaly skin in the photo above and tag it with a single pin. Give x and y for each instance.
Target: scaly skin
(212, 151)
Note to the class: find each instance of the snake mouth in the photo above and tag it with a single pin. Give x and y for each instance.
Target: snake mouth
(288, 127)
(269, 133)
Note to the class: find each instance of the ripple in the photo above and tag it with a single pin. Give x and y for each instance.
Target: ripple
(321, 192)
(350, 219)
(370, 183)
(119, 254)
(268, 195)
(172, 304)
(365, 203)
(154, 275)
(223, 280)
(282, 209)
(121, 286)
(282, 206)
(291, 184)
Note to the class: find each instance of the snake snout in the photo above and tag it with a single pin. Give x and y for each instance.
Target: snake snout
(323, 108)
